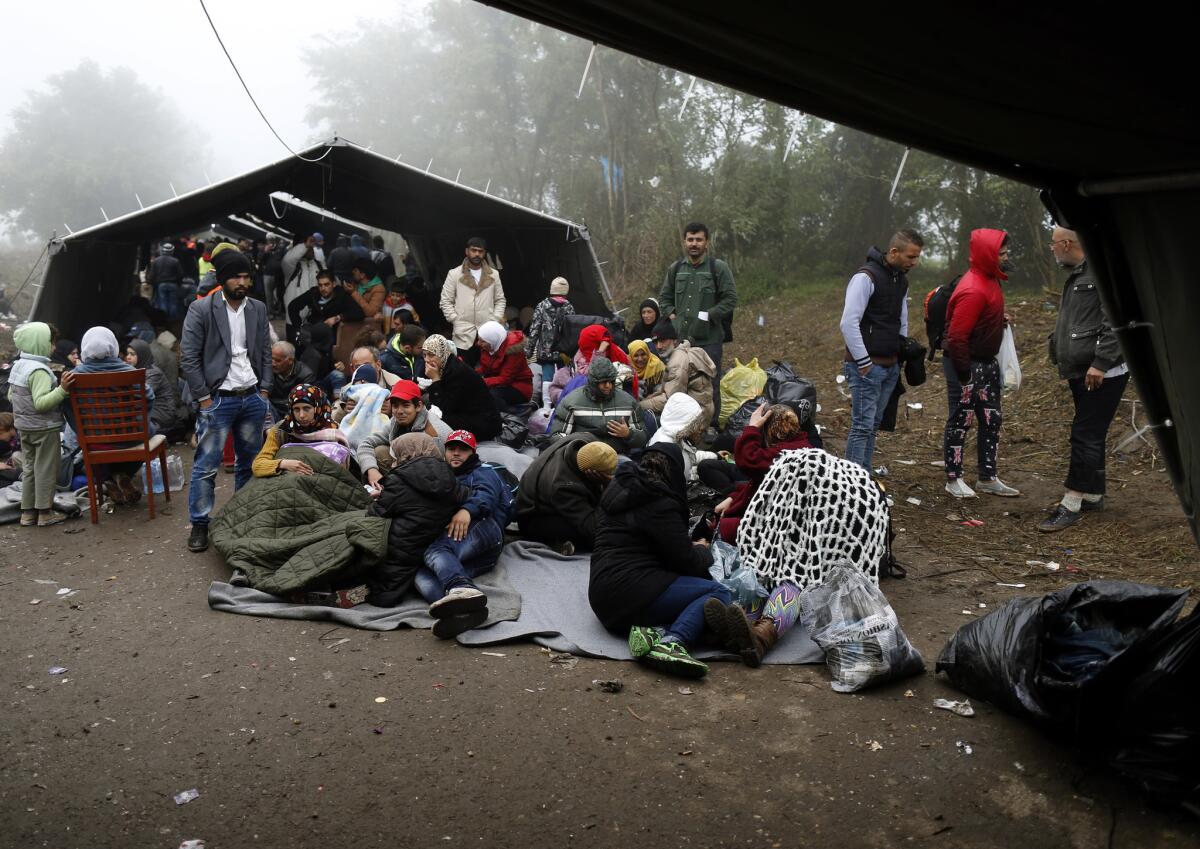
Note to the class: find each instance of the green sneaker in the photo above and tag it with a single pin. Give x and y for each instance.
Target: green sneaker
(642, 639)
(673, 659)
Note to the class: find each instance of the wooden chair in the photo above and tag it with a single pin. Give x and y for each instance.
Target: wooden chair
(112, 421)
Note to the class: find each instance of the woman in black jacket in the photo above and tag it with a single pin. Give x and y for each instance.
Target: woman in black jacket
(420, 495)
(649, 315)
(646, 571)
(459, 392)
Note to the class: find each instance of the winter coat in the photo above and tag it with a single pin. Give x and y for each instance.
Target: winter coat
(468, 305)
(556, 502)
(508, 366)
(678, 421)
(489, 496)
(283, 384)
(581, 412)
(639, 329)
(1083, 337)
(975, 312)
(465, 401)
(642, 544)
(543, 328)
(426, 422)
(420, 497)
(689, 290)
(690, 370)
(36, 400)
(299, 273)
(754, 457)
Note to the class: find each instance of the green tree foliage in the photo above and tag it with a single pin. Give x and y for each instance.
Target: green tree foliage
(92, 139)
(491, 98)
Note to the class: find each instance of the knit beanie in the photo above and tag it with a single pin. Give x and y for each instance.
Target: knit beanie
(665, 330)
(559, 286)
(597, 457)
(365, 373)
(601, 368)
(229, 264)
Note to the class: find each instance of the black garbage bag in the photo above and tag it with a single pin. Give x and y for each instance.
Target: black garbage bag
(1061, 660)
(783, 386)
(1159, 719)
(567, 339)
(514, 425)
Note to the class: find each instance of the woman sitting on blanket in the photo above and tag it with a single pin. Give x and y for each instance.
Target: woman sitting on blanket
(420, 495)
(307, 424)
(646, 572)
(770, 432)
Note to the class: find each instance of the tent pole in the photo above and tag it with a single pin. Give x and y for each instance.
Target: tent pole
(899, 171)
(586, 68)
(686, 98)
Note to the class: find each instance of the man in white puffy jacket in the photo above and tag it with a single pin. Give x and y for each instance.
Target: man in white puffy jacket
(472, 296)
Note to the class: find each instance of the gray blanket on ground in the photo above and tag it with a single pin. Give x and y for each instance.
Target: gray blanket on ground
(534, 593)
(71, 503)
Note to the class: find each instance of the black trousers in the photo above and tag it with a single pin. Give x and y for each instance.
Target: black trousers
(1094, 412)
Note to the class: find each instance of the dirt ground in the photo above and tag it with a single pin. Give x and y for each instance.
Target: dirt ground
(277, 724)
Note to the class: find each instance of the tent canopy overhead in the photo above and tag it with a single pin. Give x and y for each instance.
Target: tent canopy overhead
(91, 272)
(1097, 108)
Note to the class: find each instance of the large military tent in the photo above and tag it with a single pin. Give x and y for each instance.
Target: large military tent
(1096, 104)
(90, 273)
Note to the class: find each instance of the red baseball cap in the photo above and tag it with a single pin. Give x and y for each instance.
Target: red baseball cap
(464, 436)
(406, 390)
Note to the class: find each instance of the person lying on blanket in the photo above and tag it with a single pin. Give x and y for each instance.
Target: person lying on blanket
(307, 423)
(646, 572)
(470, 546)
(420, 494)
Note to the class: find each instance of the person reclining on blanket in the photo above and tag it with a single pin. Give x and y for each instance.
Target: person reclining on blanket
(307, 423)
(646, 572)
(599, 408)
(469, 547)
(558, 502)
(409, 415)
(420, 494)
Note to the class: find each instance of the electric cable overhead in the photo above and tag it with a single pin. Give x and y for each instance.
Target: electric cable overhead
(251, 96)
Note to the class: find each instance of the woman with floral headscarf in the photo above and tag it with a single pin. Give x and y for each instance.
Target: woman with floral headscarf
(308, 423)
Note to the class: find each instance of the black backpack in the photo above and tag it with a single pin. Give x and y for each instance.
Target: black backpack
(935, 313)
(727, 321)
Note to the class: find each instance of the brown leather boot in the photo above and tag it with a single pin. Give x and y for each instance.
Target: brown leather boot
(763, 635)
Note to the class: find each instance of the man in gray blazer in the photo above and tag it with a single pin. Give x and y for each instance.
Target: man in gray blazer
(225, 357)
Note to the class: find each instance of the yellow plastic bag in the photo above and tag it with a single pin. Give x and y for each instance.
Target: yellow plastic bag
(739, 385)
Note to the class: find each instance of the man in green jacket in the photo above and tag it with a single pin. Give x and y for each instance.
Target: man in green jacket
(699, 295)
(603, 410)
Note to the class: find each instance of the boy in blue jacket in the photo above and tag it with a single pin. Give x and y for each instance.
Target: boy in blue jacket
(470, 546)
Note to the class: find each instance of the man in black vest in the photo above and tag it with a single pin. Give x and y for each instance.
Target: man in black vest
(873, 320)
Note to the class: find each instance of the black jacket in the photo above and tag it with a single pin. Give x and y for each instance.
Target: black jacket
(465, 401)
(283, 385)
(1083, 337)
(420, 497)
(339, 303)
(556, 502)
(642, 544)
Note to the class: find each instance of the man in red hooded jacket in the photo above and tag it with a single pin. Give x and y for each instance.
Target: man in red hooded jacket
(974, 330)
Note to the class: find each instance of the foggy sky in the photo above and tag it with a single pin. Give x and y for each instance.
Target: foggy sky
(170, 46)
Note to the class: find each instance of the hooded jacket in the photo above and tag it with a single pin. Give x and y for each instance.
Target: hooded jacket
(507, 366)
(642, 543)
(467, 304)
(639, 329)
(556, 502)
(584, 411)
(465, 401)
(975, 312)
(543, 327)
(420, 497)
(489, 496)
(35, 399)
(690, 370)
(681, 418)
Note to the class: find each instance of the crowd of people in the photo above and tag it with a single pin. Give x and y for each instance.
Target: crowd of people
(617, 436)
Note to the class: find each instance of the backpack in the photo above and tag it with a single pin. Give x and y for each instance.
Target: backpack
(727, 321)
(935, 313)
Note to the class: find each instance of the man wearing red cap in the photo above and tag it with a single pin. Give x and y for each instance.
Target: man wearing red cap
(409, 415)
(470, 546)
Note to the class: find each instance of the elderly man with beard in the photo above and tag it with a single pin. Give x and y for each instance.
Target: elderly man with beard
(599, 408)
(225, 356)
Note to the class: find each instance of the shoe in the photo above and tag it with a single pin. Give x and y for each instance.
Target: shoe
(996, 487)
(673, 659)
(198, 538)
(227, 468)
(959, 489)
(113, 492)
(458, 601)
(752, 640)
(50, 517)
(716, 619)
(127, 487)
(1059, 519)
(1092, 506)
(451, 626)
(29, 518)
(642, 639)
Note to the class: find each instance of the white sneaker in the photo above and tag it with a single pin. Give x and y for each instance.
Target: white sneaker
(458, 601)
(997, 487)
(959, 489)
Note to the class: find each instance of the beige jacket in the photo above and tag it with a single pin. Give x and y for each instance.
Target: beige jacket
(689, 370)
(467, 305)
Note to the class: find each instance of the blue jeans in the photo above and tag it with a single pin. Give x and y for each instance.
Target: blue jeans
(169, 299)
(244, 415)
(453, 563)
(869, 395)
(548, 370)
(682, 604)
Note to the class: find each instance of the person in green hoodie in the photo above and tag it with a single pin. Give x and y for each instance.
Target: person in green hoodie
(36, 405)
